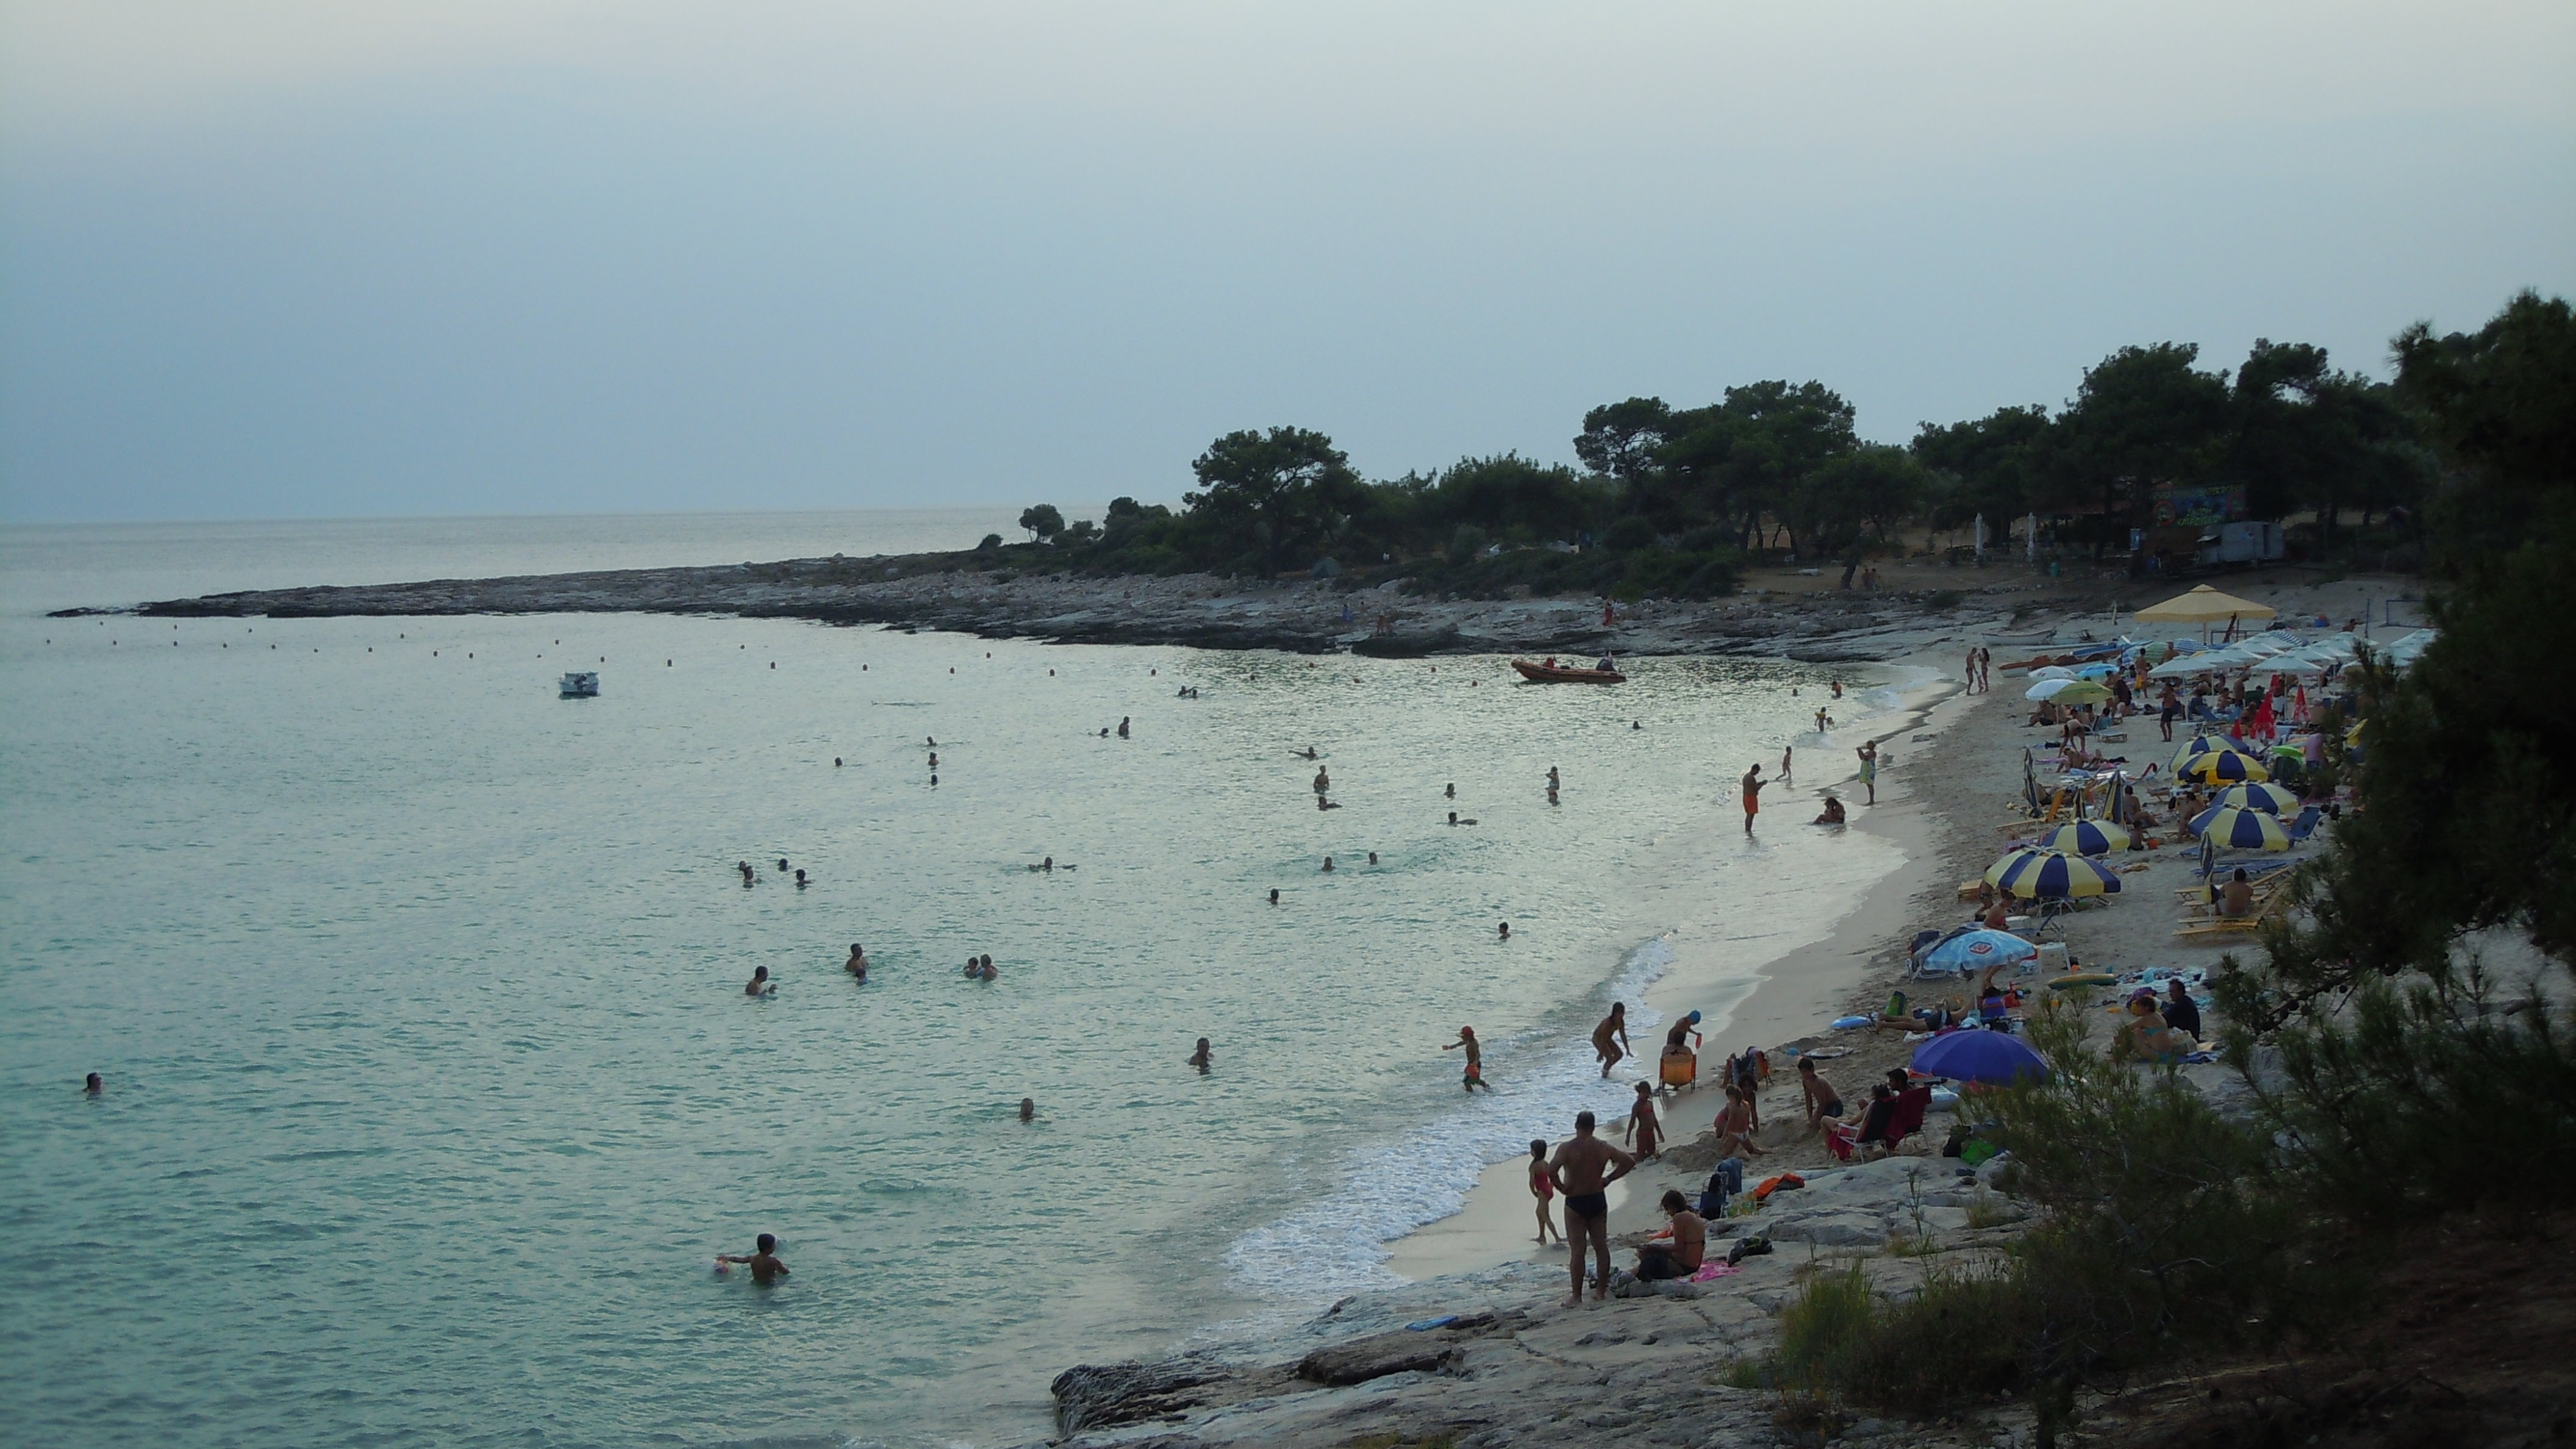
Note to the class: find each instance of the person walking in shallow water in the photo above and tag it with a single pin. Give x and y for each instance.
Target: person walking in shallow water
(1753, 783)
(1475, 1073)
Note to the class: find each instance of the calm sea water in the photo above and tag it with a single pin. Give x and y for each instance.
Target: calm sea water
(432, 1090)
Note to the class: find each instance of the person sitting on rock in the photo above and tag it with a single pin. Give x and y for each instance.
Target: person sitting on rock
(1677, 1250)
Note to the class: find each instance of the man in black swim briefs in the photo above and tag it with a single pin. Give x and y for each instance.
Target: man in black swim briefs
(1581, 1169)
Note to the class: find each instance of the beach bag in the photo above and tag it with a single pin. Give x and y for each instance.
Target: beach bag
(1712, 1198)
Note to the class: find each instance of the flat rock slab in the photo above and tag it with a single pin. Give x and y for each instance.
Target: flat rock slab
(1402, 1351)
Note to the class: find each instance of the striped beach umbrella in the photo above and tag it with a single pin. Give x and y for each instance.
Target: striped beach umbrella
(2199, 745)
(2270, 799)
(2224, 767)
(2087, 837)
(2236, 829)
(2067, 691)
(2052, 874)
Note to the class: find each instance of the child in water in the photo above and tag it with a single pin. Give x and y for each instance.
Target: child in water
(1474, 1076)
(1542, 1187)
(765, 1267)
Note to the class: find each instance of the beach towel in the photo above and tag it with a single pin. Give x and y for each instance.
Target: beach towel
(1713, 1269)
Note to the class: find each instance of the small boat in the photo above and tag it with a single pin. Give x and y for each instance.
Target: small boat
(1554, 673)
(581, 684)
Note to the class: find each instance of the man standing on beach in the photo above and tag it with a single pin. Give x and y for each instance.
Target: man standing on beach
(1582, 1169)
(1753, 783)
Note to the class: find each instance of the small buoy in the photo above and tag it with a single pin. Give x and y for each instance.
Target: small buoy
(666, 663)
(603, 659)
(863, 669)
(1050, 674)
(952, 669)
(432, 654)
(774, 664)
(836, 762)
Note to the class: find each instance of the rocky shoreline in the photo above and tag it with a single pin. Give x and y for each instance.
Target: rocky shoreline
(961, 593)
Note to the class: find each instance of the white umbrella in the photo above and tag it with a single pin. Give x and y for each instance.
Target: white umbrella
(2182, 667)
(2068, 691)
(2052, 671)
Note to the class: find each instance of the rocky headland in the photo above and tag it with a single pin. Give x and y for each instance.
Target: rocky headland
(1784, 613)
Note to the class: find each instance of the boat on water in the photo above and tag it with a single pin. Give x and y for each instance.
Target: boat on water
(581, 684)
(1551, 672)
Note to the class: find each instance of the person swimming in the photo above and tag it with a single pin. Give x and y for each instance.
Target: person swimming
(1328, 865)
(1274, 895)
(782, 865)
(749, 877)
(1122, 726)
(94, 1085)
(801, 881)
(857, 965)
(1505, 933)
(986, 968)
(760, 984)
(934, 759)
(1046, 864)
(1454, 820)
(1200, 1058)
(1323, 780)
(1028, 1109)
(1453, 790)
(1372, 857)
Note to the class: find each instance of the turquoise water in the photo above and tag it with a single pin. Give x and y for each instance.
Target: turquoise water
(432, 1090)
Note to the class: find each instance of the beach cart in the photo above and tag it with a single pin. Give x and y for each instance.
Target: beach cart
(1680, 1069)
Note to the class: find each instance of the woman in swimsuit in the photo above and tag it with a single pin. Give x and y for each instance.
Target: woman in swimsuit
(1543, 1188)
(1643, 1126)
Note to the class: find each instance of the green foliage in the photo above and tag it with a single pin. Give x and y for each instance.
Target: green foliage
(1043, 521)
(1273, 495)
(1957, 1335)
(2408, 1103)
(2501, 406)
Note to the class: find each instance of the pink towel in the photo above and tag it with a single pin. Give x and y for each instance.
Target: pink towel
(1713, 1269)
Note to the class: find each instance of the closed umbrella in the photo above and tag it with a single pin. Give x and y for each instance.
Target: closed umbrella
(2051, 875)
(2087, 837)
(2270, 799)
(1974, 948)
(1994, 1057)
(2239, 829)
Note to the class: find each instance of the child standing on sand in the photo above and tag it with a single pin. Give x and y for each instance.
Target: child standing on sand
(1642, 1125)
(1542, 1187)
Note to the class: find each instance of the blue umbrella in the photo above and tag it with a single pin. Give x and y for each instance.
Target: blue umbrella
(1980, 1056)
(1974, 948)
(2031, 874)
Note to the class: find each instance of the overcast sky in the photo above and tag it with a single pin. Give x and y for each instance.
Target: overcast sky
(320, 258)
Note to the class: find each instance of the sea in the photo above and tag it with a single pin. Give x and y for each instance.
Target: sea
(432, 1090)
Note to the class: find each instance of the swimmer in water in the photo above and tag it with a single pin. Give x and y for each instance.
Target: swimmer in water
(1372, 857)
(1328, 865)
(974, 967)
(748, 877)
(1122, 726)
(1505, 932)
(1454, 820)
(1200, 1058)
(1610, 1038)
(934, 759)
(1028, 1109)
(934, 744)
(1551, 779)
(1274, 895)
(760, 985)
(1636, 724)
(987, 971)
(1046, 864)
(857, 965)
(801, 881)
(94, 1085)
(782, 865)
(1475, 1074)
(1453, 790)
(1324, 780)
(766, 1270)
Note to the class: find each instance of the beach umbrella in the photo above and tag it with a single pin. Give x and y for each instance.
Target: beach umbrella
(2224, 767)
(2198, 745)
(2052, 671)
(2051, 874)
(2237, 829)
(2270, 799)
(1994, 1057)
(1974, 948)
(2181, 666)
(2087, 837)
(2097, 671)
(2067, 691)
(2203, 605)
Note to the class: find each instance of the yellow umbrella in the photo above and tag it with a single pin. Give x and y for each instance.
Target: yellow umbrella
(2203, 605)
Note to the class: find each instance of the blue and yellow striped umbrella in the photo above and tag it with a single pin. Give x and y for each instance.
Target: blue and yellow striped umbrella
(2224, 767)
(2053, 874)
(2200, 745)
(2270, 799)
(2238, 829)
(2087, 837)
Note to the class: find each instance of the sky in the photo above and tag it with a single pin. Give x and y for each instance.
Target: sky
(289, 258)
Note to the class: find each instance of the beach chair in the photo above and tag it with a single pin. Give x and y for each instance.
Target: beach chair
(1911, 1104)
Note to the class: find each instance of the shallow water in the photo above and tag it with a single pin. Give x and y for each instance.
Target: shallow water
(432, 1090)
